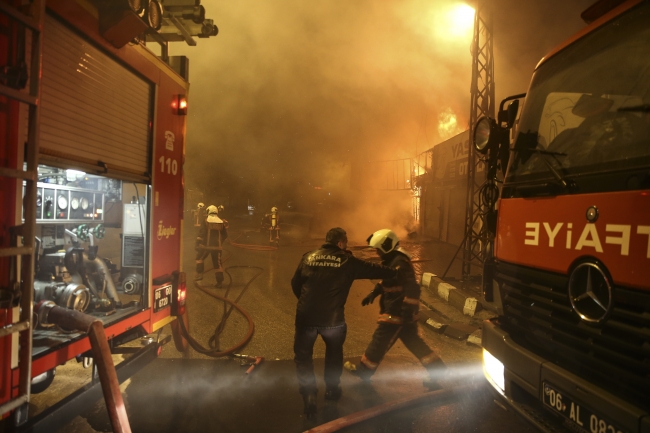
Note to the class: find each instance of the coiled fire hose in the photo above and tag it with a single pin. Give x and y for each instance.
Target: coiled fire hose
(214, 350)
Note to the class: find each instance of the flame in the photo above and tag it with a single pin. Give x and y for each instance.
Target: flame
(448, 124)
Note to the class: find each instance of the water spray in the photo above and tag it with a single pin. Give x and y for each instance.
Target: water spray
(439, 397)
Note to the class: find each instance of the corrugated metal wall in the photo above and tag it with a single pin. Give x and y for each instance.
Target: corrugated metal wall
(93, 108)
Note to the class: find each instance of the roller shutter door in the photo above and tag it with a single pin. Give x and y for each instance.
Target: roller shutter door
(94, 111)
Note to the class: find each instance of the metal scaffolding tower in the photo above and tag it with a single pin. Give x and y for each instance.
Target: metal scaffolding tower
(482, 104)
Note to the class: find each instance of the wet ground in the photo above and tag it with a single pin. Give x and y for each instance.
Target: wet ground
(193, 392)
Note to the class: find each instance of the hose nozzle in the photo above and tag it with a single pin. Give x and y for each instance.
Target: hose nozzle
(252, 361)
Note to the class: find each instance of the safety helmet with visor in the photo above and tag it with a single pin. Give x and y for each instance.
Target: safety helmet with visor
(384, 240)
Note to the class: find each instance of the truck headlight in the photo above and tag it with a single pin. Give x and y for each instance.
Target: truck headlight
(485, 134)
(493, 370)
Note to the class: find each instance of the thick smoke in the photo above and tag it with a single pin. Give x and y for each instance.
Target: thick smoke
(291, 95)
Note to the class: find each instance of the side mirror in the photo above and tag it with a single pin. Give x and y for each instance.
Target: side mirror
(513, 109)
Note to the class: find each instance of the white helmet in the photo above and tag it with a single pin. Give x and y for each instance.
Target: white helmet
(220, 208)
(212, 209)
(200, 205)
(274, 209)
(384, 240)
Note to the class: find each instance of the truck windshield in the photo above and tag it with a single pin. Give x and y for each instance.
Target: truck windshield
(588, 108)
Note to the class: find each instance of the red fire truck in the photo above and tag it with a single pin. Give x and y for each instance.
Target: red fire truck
(570, 268)
(92, 142)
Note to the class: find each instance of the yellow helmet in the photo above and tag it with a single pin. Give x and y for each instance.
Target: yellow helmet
(212, 209)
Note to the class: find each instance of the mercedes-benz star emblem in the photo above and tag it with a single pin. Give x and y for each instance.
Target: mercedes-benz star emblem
(590, 292)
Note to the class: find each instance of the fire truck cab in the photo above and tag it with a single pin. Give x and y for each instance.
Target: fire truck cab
(92, 145)
(570, 269)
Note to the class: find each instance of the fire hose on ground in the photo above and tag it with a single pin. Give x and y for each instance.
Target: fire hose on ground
(48, 312)
(214, 350)
(440, 396)
(252, 247)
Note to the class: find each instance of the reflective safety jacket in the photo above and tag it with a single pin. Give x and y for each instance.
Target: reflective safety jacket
(399, 290)
(322, 283)
(202, 236)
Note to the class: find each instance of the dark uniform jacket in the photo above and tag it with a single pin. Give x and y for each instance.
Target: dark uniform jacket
(399, 294)
(322, 283)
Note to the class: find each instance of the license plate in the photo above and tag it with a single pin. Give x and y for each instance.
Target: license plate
(577, 416)
(162, 298)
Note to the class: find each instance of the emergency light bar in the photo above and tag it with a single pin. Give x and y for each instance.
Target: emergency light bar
(180, 105)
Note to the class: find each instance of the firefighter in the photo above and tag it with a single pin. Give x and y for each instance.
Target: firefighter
(322, 283)
(212, 234)
(198, 214)
(398, 313)
(271, 223)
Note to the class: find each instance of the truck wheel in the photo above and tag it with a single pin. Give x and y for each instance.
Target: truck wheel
(41, 382)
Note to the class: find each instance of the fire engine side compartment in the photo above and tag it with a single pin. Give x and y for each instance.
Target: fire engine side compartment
(165, 210)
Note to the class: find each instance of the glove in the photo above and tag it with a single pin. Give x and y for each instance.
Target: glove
(410, 312)
(378, 290)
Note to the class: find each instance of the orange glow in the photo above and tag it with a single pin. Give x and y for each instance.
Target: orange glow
(456, 23)
(462, 18)
(179, 104)
(448, 124)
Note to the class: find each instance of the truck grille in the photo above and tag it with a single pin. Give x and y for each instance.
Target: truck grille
(614, 355)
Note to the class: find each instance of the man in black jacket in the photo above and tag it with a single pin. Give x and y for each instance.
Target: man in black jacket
(398, 312)
(321, 284)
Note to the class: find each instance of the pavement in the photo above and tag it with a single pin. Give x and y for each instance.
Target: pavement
(192, 392)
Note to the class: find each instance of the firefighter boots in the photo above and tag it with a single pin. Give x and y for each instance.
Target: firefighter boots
(333, 393)
(200, 267)
(431, 385)
(360, 371)
(309, 401)
(437, 370)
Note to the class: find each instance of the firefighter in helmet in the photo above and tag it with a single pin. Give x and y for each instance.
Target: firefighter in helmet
(271, 223)
(198, 214)
(212, 234)
(398, 312)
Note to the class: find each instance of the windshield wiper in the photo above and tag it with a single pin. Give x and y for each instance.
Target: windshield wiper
(643, 108)
(564, 183)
